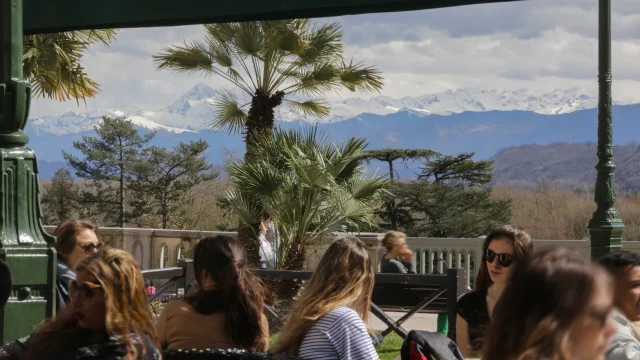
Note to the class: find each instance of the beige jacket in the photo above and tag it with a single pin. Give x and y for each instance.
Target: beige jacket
(624, 345)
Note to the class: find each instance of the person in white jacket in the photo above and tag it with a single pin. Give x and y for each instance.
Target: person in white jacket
(624, 266)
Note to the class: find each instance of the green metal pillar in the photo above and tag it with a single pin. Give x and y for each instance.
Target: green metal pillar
(605, 227)
(24, 244)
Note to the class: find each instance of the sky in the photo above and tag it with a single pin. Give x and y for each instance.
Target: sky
(540, 45)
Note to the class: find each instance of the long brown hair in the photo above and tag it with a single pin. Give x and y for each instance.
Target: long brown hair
(548, 293)
(522, 248)
(239, 293)
(344, 277)
(66, 234)
(127, 309)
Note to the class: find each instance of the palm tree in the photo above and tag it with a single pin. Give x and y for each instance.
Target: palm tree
(307, 184)
(51, 62)
(270, 61)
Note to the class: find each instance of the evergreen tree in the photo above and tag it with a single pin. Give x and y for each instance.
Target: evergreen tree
(106, 164)
(448, 199)
(163, 177)
(59, 198)
(390, 156)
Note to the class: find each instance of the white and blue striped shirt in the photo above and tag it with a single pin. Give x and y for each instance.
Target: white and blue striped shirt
(340, 334)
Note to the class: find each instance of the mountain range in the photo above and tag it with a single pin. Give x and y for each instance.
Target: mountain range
(482, 121)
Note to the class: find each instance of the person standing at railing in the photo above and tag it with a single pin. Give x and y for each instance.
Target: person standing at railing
(227, 310)
(504, 249)
(399, 258)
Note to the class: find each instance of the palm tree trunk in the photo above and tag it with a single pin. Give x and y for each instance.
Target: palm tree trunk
(261, 118)
(295, 260)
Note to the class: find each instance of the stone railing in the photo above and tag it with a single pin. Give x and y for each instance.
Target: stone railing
(156, 248)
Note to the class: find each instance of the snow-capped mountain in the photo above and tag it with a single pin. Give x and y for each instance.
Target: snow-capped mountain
(194, 110)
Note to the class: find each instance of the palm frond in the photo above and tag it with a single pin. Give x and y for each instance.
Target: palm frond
(51, 62)
(229, 113)
(322, 43)
(192, 57)
(309, 107)
(223, 33)
(248, 39)
(358, 77)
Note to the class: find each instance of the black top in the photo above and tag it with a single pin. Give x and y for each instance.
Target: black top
(472, 307)
(395, 266)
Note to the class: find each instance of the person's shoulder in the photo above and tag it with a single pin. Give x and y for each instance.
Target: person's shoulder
(472, 300)
(177, 305)
(343, 316)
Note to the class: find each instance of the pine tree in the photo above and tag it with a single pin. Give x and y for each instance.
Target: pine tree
(163, 177)
(59, 198)
(106, 164)
(449, 199)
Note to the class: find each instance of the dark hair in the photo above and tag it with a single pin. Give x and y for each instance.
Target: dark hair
(619, 260)
(67, 232)
(522, 248)
(239, 293)
(548, 293)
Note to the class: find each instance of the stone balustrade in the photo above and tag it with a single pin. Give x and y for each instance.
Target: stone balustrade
(157, 248)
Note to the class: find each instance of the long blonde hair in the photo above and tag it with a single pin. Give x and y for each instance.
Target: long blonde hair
(126, 307)
(391, 239)
(344, 277)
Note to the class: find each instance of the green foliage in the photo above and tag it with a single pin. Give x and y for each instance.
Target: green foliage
(270, 61)
(390, 156)
(106, 165)
(51, 62)
(459, 169)
(307, 184)
(59, 198)
(162, 178)
(447, 200)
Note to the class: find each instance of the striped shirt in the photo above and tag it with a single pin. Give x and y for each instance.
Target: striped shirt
(340, 334)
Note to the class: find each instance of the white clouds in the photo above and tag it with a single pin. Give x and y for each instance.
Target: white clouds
(542, 45)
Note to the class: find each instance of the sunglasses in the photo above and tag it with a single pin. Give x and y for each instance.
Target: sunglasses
(84, 291)
(90, 248)
(505, 260)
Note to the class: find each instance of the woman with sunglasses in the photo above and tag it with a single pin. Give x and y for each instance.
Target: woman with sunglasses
(504, 249)
(558, 307)
(108, 317)
(75, 239)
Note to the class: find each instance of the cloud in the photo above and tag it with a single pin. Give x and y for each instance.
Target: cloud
(541, 45)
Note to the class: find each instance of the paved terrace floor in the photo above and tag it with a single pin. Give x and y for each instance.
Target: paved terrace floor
(426, 322)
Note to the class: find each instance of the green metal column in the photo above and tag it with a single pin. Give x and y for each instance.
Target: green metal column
(605, 227)
(24, 244)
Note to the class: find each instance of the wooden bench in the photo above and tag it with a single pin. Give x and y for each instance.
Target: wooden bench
(410, 293)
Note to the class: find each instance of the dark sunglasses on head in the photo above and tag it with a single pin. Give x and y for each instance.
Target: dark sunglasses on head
(505, 260)
(90, 248)
(84, 291)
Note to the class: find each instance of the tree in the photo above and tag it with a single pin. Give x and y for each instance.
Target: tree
(163, 177)
(51, 62)
(307, 185)
(461, 169)
(270, 62)
(390, 156)
(108, 159)
(448, 200)
(59, 198)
